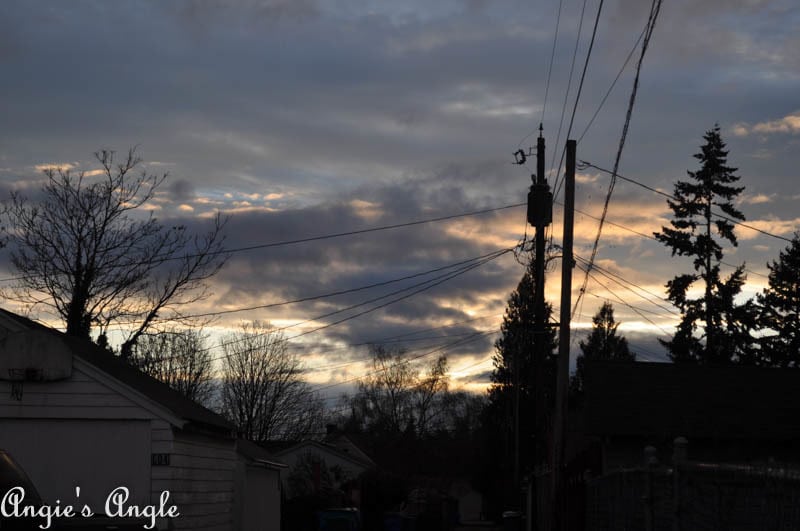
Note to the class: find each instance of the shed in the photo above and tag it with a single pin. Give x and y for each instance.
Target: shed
(258, 478)
(73, 415)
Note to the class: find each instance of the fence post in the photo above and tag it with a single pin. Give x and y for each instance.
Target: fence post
(679, 456)
(650, 462)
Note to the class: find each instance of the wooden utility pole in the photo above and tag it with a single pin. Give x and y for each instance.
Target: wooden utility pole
(562, 382)
(540, 324)
(540, 216)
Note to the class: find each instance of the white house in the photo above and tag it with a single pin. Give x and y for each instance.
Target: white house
(74, 416)
(337, 456)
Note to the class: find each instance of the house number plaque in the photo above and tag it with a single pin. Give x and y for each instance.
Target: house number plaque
(159, 459)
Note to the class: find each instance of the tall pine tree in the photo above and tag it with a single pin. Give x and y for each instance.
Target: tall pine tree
(514, 356)
(603, 343)
(699, 233)
(780, 309)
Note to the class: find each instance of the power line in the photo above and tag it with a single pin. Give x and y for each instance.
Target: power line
(670, 196)
(470, 338)
(372, 229)
(566, 92)
(422, 286)
(580, 90)
(650, 237)
(441, 348)
(330, 236)
(326, 295)
(552, 57)
(549, 73)
(645, 310)
(625, 284)
(621, 300)
(362, 360)
(430, 284)
(651, 22)
(613, 84)
(475, 336)
(398, 299)
(480, 318)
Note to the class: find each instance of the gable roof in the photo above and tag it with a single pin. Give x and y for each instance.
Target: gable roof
(322, 447)
(190, 411)
(690, 400)
(258, 454)
(348, 443)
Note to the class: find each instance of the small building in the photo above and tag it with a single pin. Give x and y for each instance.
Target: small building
(258, 479)
(74, 416)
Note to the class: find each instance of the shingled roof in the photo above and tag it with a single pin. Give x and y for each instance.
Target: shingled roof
(695, 401)
(193, 413)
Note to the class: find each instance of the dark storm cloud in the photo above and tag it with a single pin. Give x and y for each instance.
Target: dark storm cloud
(181, 190)
(264, 276)
(319, 267)
(206, 12)
(338, 100)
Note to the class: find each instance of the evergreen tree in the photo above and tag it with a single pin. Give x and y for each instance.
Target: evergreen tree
(603, 343)
(699, 233)
(514, 357)
(780, 309)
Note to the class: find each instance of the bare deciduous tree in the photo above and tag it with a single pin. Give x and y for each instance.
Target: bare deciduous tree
(393, 397)
(383, 399)
(85, 253)
(179, 359)
(426, 394)
(263, 392)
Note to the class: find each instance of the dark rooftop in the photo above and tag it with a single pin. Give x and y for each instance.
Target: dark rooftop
(157, 391)
(668, 400)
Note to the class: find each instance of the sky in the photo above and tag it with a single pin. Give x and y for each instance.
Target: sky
(306, 118)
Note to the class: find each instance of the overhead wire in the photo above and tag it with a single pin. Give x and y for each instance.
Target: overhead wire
(397, 336)
(331, 236)
(420, 287)
(473, 337)
(549, 73)
(584, 268)
(552, 60)
(650, 237)
(341, 364)
(628, 285)
(715, 213)
(426, 285)
(558, 184)
(569, 86)
(613, 84)
(324, 295)
(409, 360)
(651, 21)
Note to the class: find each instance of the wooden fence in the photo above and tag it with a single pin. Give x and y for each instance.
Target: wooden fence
(694, 496)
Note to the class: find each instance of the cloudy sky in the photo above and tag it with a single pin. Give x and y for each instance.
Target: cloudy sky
(305, 118)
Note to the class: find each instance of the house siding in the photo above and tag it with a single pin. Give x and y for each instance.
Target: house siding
(110, 438)
(78, 397)
(97, 455)
(202, 481)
